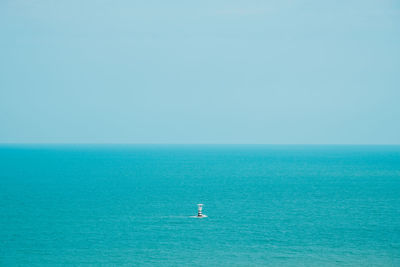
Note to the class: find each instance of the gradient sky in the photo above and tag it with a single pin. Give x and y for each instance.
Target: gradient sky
(274, 72)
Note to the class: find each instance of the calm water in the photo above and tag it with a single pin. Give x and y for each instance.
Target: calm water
(267, 205)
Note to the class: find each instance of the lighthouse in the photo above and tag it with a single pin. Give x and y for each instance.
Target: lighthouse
(199, 213)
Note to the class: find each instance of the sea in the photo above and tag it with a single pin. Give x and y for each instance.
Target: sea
(132, 205)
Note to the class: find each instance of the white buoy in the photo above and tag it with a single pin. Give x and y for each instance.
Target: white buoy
(199, 213)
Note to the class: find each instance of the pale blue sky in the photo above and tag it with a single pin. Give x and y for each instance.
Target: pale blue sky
(274, 72)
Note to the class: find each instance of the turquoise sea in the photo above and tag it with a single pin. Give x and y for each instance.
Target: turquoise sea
(130, 205)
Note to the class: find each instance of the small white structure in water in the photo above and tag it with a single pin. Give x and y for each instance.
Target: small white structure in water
(199, 213)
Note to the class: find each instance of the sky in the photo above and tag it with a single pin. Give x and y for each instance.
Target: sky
(200, 72)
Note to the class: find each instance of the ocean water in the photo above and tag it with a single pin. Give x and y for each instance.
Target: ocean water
(267, 205)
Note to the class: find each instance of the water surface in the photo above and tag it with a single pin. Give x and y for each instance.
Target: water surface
(267, 205)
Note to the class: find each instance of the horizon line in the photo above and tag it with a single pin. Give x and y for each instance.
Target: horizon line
(199, 144)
